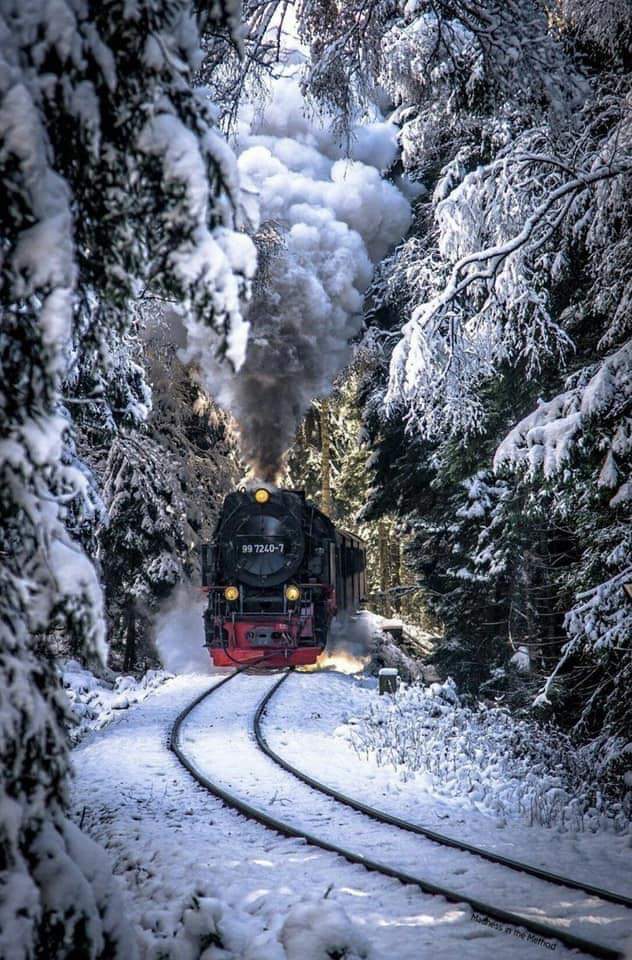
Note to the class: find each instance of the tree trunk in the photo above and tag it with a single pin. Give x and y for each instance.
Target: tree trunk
(396, 578)
(530, 580)
(325, 459)
(130, 639)
(384, 567)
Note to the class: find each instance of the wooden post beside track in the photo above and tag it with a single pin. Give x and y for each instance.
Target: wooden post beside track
(387, 680)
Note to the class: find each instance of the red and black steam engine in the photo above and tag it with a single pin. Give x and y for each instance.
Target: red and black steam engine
(276, 574)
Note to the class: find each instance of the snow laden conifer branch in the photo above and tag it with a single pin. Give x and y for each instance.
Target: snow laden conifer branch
(494, 304)
(547, 438)
(486, 52)
(239, 66)
(112, 178)
(590, 421)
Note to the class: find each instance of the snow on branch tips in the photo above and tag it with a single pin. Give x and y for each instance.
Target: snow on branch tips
(487, 301)
(546, 439)
(599, 621)
(495, 51)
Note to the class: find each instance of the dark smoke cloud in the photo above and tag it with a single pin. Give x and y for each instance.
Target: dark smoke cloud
(326, 222)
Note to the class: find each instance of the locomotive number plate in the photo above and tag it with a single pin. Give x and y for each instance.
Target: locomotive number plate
(263, 548)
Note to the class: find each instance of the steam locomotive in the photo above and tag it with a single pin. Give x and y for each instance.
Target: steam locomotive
(276, 574)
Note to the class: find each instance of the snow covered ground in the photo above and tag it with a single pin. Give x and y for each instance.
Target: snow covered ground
(510, 767)
(331, 710)
(95, 702)
(201, 881)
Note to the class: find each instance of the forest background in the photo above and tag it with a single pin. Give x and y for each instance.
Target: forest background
(481, 437)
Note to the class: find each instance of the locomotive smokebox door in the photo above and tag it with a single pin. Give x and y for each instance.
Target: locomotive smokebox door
(387, 680)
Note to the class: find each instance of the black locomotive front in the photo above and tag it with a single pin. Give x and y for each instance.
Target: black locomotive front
(262, 544)
(271, 577)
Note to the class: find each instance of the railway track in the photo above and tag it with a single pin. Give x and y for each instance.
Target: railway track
(483, 910)
(443, 839)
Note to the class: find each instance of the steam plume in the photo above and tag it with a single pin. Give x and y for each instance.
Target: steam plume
(325, 221)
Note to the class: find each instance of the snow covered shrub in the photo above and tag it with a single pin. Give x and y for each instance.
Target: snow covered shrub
(384, 652)
(510, 768)
(197, 926)
(200, 929)
(320, 930)
(95, 701)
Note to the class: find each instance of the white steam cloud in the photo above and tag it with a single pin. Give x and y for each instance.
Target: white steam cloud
(329, 219)
(179, 633)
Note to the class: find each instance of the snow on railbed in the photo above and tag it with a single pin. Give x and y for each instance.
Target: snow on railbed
(95, 702)
(337, 729)
(199, 881)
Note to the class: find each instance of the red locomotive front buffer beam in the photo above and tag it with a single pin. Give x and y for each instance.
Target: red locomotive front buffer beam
(284, 638)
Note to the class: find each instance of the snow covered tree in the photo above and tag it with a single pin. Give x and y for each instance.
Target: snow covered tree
(45, 581)
(231, 70)
(578, 448)
(112, 177)
(197, 436)
(161, 486)
(435, 58)
(350, 489)
(513, 286)
(143, 543)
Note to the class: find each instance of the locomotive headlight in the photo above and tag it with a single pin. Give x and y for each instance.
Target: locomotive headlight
(292, 593)
(231, 594)
(262, 495)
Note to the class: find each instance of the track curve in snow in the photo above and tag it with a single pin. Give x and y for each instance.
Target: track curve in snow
(215, 738)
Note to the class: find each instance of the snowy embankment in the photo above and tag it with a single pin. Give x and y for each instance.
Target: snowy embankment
(508, 767)
(96, 701)
(431, 762)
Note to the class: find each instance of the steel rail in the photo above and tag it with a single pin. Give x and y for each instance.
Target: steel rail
(542, 930)
(383, 817)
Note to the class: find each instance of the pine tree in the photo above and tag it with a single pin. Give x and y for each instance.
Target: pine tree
(143, 543)
(350, 491)
(112, 177)
(162, 486)
(513, 286)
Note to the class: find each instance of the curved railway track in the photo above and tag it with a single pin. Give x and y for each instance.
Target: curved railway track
(440, 838)
(496, 914)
